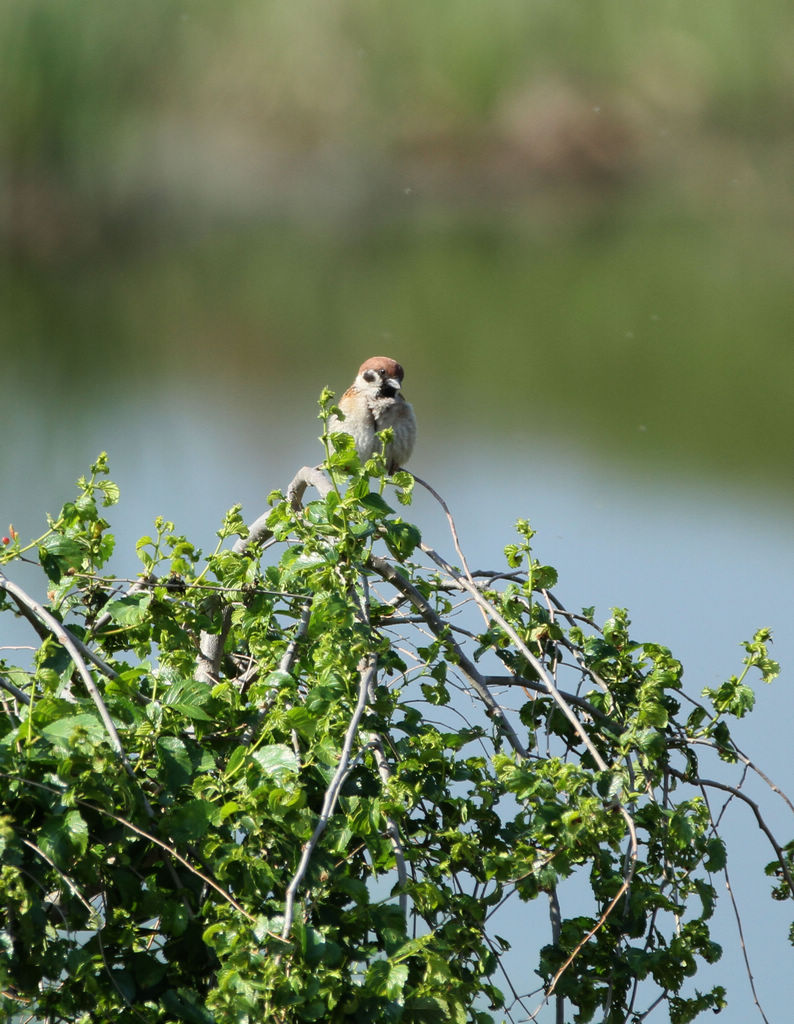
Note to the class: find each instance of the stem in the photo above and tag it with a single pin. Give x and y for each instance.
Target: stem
(367, 670)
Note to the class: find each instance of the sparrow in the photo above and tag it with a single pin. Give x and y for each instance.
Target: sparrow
(373, 402)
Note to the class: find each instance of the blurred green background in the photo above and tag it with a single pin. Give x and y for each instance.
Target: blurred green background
(559, 210)
(572, 222)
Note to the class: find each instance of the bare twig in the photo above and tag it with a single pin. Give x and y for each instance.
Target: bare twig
(751, 765)
(540, 669)
(367, 669)
(211, 644)
(745, 954)
(737, 916)
(453, 530)
(555, 917)
(72, 887)
(15, 691)
(464, 663)
(169, 583)
(25, 604)
(631, 859)
(285, 665)
(68, 642)
(737, 793)
(572, 698)
(393, 831)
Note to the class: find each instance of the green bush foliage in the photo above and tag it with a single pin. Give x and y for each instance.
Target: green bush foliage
(299, 779)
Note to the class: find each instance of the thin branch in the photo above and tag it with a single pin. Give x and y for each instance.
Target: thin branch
(745, 954)
(713, 784)
(543, 675)
(307, 476)
(27, 606)
(464, 663)
(453, 531)
(67, 641)
(211, 644)
(571, 698)
(659, 999)
(172, 853)
(15, 691)
(772, 785)
(555, 608)
(285, 665)
(72, 887)
(392, 829)
(517, 999)
(555, 917)
(151, 582)
(631, 858)
(367, 669)
(751, 765)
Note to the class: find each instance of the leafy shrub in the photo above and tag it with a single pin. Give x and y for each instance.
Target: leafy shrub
(296, 780)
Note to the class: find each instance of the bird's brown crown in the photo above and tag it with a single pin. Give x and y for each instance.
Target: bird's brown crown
(383, 365)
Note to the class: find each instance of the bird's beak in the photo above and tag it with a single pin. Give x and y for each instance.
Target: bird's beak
(393, 383)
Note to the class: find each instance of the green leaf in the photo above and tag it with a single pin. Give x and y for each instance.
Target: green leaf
(401, 539)
(316, 512)
(304, 723)
(77, 830)
(396, 981)
(653, 713)
(544, 577)
(63, 837)
(187, 696)
(597, 650)
(733, 697)
(65, 730)
(86, 506)
(110, 492)
(185, 1005)
(716, 855)
(58, 554)
(375, 503)
(238, 755)
(318, 950)
(610, 786)
(277, 760)
(130, 610)
(188, 821)
(296, 561)
(377, 976)
(176, 764)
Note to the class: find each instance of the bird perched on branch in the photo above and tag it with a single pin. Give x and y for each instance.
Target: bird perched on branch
(373, 402)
